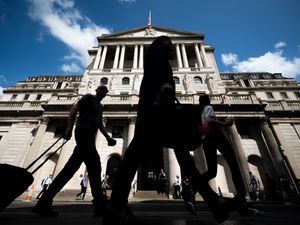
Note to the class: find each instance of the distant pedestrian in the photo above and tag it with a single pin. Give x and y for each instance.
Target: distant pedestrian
(45, 184)
(83, 184)
(104, 184)
(254, 186)
(161, 182)
(177, 187)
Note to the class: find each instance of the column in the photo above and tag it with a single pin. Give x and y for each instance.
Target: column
(131, 129)
(135, 56)
(116, 59)
(174, 168)
(204, 57)
(179, 60)
(185, 60)
(141, 59)
(199, 61)
(103, 57)
(96, 63)
(240, 155)
(37, 142)
(273, 147)
(121, 64)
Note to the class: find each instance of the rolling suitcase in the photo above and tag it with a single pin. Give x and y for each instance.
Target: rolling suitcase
(16, 180)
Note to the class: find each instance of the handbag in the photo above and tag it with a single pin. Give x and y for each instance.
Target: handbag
(178, 124)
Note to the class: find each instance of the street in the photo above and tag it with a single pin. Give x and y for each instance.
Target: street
(152, 212)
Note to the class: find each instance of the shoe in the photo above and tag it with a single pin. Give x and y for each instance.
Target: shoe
(247, 211)
(189, 206)
(44, 211)
(223, 208)
(121, 217)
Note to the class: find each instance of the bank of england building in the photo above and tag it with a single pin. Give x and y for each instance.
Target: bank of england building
(265, 134)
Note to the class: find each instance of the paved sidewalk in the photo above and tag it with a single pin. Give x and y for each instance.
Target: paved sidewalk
(152, 212)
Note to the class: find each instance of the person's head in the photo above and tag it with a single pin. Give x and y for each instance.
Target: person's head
(101, 92)
(204, 100)
(250, 173)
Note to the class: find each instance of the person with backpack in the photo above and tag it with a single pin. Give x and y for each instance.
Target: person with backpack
(45, 184)
(83, 184)
(254, 186)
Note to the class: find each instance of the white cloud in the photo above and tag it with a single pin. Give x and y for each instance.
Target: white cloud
(1, 92)
(273, 62)
(229, 59)
(280, 44)
(70, 68)
(67, 24)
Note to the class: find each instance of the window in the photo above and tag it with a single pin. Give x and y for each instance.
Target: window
(59, 85)
(13, 97)
(38, 97)
(297, 94)
(284, 95)
(198, 80)
(103, 81)
(269, 94)
(176, 80)
(247, 83)
(125, 81)
(117, 132)
(26, 97)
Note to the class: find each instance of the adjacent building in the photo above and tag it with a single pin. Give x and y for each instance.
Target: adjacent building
(265, 135)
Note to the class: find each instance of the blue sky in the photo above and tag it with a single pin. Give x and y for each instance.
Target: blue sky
(52, 36)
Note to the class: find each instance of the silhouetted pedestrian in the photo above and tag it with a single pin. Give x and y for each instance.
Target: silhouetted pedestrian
(45, 184)
(83, 186)
(88, 123)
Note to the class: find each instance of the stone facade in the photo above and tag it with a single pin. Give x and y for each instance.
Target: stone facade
(265, 136)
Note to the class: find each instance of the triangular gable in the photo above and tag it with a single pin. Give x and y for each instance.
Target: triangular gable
(151, 31)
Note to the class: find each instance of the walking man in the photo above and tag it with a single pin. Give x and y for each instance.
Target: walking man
(88, 122)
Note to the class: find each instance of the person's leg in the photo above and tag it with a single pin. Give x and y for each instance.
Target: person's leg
(229, 155)
(210, 152)
(128, 168)
(220, 208)
(44, 205)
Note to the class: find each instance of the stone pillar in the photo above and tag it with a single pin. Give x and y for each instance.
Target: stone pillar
(37, 142)
(205, 61)
(199, 61)
(274, 149)
(174, 168)
(131, 129)
(97, 60)
(116, 59)
(179, 61)
(240, 155)
(185, 60)
(141, 59)
(135, 56)
(103, 57)
(121, 64)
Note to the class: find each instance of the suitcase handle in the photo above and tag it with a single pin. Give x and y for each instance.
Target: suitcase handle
(49, 156)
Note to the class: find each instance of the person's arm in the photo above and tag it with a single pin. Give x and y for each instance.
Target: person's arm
(71, 121)
(110, 141)
(212, 119)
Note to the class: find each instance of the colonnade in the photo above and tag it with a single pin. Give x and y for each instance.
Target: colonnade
(138, 56)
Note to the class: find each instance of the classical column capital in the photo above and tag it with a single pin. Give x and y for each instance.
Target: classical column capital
(44, 120)
(132, 120)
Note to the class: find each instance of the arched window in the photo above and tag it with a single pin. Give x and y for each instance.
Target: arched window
(176, 80)
(198, 80)
(125, 81)
(103, 81)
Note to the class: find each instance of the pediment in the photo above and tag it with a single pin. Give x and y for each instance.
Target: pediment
(152, 31)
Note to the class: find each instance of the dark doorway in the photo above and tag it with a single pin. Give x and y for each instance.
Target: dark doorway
(112, 169)
(149, 170)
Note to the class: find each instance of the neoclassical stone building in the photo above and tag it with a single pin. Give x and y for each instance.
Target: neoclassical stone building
(265, 136)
